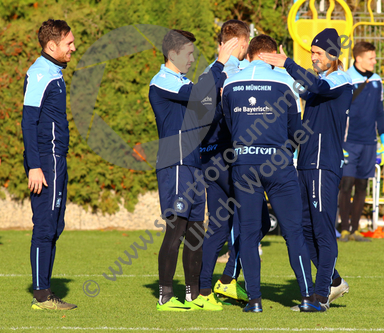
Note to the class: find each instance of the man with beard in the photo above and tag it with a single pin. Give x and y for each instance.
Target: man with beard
(46, 140)
(320, 161)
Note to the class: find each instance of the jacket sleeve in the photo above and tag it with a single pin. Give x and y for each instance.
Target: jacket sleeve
(380, 114)
(326, 87)
(29, 124)
(304, 95)
(294, 117)
(215, 108)
(195, 92)
(30, 120)
(226, 109)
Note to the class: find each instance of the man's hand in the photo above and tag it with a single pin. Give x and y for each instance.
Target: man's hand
(274, 58)
(227, 49)
(36, 180)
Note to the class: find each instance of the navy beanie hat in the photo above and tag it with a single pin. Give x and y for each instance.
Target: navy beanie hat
(329, 41)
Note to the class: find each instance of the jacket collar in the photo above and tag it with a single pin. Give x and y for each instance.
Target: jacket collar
(366, 74)
(62, 65)
(165, 69)
(261, 63)
(232, 61)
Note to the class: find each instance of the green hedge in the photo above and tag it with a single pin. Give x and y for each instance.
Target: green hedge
(123, 97)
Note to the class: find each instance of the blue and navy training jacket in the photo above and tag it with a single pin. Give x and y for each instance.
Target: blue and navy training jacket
(179, 108)
(243, 63)
(328, 99)
(44, 123)
(366, 112)
(218, 137)
(263, 113)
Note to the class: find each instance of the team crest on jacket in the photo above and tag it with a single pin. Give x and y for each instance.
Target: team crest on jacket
(252, 101)
(58, 202)
(179, 205)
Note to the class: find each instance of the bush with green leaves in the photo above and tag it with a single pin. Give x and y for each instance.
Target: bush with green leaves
(122, 101)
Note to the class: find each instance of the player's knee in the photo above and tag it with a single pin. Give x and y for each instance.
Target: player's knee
(346, 184)
(361, 185)
(43, 237)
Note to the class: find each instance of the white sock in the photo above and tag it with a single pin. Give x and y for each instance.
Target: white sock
(188, 295)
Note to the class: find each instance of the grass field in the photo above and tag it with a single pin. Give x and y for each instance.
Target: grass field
(129, 302)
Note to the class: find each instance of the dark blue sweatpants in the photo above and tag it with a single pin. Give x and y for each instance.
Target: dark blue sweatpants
(48, 210)
(319, 191)
(283, 192)
(223, 223)
(219, 191)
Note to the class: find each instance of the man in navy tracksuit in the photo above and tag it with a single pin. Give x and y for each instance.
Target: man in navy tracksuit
(220, 186)
(46, 139)
(264, 138)
(366, 114)
(179, 110)
(320, 161)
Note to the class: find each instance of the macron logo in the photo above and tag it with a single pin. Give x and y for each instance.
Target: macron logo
(39, 77)
(316, 41)
(315, 204)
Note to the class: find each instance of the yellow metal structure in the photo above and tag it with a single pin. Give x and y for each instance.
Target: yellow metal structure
(372, 22)
(303, 31)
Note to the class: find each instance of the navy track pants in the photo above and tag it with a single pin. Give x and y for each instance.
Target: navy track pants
(283, 191)
(48, 210)
(223, 223)
(319, 191)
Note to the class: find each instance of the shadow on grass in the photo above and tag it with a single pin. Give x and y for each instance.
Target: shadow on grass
(287, 294)
(58, 286)
(224, 249)
(333, 305)
(265, 243)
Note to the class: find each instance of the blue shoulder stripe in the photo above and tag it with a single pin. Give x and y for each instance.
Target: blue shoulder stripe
(337, 79)
(269, 76)
(39, 76)
(358, 78)
(169, 82)
(35, 90)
